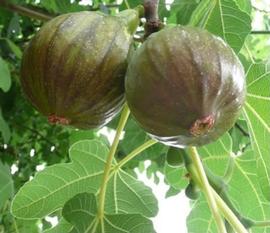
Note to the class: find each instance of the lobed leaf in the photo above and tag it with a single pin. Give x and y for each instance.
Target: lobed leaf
(223, 18)
(81, 212)
(52, 187)
(257, 112)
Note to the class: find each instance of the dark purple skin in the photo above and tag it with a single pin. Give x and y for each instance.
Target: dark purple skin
(73, 69)
(185, 87)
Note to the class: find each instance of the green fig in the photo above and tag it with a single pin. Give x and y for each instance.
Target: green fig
(192, 191)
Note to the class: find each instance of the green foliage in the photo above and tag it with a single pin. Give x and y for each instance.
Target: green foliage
(6, 184)
(237, 165)
(174, 157)
(5, 81)
(223, 18)
(58, 183)
(83, 218)
(257, 117)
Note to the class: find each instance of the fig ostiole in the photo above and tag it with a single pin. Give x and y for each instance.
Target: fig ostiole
(185, 86)
(73, 69)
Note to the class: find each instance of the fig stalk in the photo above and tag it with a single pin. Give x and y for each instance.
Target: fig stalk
(206, 188)
(153, 24)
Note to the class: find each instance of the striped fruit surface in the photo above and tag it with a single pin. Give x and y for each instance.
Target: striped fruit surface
(73, 69)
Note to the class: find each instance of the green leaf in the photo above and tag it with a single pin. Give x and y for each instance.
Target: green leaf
(57, 184)
(6, 184)
(223, 18)
(257, 112)
(175, 177)
(27, 226)
(217, 154)
(181, 11)
(4, 128)
(53, 186)
(79, 135)
(244, 191)
(14, 28)
(83, 217)
(174, 157)
(125, 194)
(62, 227)
(244, 5)
(200, 218)
(5, 80)
(64, 6)
(14, 48)
(172, 192)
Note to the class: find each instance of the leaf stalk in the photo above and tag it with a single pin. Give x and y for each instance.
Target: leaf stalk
(206, 188)
(120, 127)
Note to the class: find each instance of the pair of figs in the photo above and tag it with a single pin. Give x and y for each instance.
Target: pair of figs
(184, 86)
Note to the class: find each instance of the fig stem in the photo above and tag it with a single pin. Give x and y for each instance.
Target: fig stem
(135, 152)
(26, 11)
(153, 24)
(102, 193)
(221, 204)
(206, 188)
(228, 214)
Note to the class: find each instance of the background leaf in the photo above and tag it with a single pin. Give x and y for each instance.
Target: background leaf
(6, 184)
(216, 155)
(223, 18)
(257, 112)
(243, 188)
(83, 218)
(126, 194)
(57, 184)
(52, 187)
(5, 81)
(4, 128)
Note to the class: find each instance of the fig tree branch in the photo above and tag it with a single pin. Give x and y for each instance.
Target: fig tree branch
(240, 128)
(260, 32)
(153, 24)
(31, 12)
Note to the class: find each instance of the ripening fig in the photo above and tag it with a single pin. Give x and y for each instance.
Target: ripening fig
(185, 86)
(73, 69)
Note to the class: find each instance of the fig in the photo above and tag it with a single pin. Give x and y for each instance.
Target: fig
(192, 191)
(74, 68)
(185, 86)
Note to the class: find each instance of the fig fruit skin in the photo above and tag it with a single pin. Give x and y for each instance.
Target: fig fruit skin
(185, 86)
(73, 69)
(192, 191)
